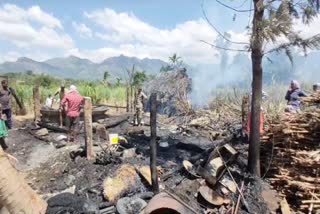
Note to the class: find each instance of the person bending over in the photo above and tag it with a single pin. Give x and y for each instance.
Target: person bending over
(72, 103)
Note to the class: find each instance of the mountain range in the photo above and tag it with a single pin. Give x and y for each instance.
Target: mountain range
(77, 68)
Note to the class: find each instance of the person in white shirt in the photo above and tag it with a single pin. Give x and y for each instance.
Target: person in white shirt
(49, 101)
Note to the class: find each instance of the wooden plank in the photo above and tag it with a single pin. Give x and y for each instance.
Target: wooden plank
(311, 201)
(285, 209)
(88, 128)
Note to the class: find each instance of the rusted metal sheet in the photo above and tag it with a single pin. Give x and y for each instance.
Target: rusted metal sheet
(163, 203)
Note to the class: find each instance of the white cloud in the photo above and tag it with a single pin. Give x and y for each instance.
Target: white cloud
(17, 25)
(131, 36)
(309, 30)
(82, 29)
(36, 14)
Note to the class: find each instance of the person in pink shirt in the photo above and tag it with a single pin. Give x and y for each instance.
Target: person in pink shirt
(72, 103)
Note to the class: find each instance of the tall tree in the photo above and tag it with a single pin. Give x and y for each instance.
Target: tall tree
(175, 60)
(139, 78)
(106, 76)
(271, 20)
(268, 28)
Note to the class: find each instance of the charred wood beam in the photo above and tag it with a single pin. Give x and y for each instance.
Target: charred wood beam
(153, 143)
(53, 128)
(115, 122)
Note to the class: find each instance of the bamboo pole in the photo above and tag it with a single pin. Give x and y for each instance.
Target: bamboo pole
(153, 143)
(36, 104)
(88, 128)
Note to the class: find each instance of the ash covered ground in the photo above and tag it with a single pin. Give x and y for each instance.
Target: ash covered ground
(50, 170)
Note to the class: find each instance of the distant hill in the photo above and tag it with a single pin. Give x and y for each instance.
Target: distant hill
(77, 68)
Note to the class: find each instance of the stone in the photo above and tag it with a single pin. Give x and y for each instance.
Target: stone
(66, 202)
(42, 132)
(60, 138)
(70, 179)
(71, 190)
(101, 121)
(229, 184)
(61, 144)
(130, 205)
(129, 153)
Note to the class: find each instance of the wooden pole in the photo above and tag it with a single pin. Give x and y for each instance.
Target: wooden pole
(36, 104)
(127, 98)
(61, 95)
(88, 128)
(131, 98)
(153, 143)
(135, 101)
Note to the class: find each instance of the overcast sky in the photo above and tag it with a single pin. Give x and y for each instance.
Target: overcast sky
(98, 29)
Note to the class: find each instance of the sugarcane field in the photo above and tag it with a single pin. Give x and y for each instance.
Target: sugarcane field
(160, 107)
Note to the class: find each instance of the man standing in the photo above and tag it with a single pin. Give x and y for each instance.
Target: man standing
(5, 101)
(73, 101)
(61, 92)
(140, 98)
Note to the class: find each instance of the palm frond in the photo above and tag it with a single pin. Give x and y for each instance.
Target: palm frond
(289, 55)
(296, 41)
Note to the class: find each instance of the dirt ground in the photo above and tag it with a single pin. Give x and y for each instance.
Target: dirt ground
(50, 170)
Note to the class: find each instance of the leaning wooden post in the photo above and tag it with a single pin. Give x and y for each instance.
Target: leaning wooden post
(15, 193)
(36, 104)
(88, 128)
(153, 143)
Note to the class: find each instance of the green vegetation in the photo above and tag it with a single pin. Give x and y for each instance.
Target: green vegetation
(99, 92)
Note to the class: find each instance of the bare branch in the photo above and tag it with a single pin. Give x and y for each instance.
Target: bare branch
(221, 34)
(232, 8)
(222, 48)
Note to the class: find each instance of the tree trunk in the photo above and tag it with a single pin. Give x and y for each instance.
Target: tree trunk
(15, 194)
(256, 57)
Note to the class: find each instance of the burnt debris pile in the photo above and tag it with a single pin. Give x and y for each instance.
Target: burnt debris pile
(172, 89)
(199, 171)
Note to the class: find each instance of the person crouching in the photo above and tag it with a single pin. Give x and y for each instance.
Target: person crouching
(293, 97)
(73, 101)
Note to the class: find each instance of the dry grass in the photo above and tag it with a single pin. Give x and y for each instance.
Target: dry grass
(123, 180)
